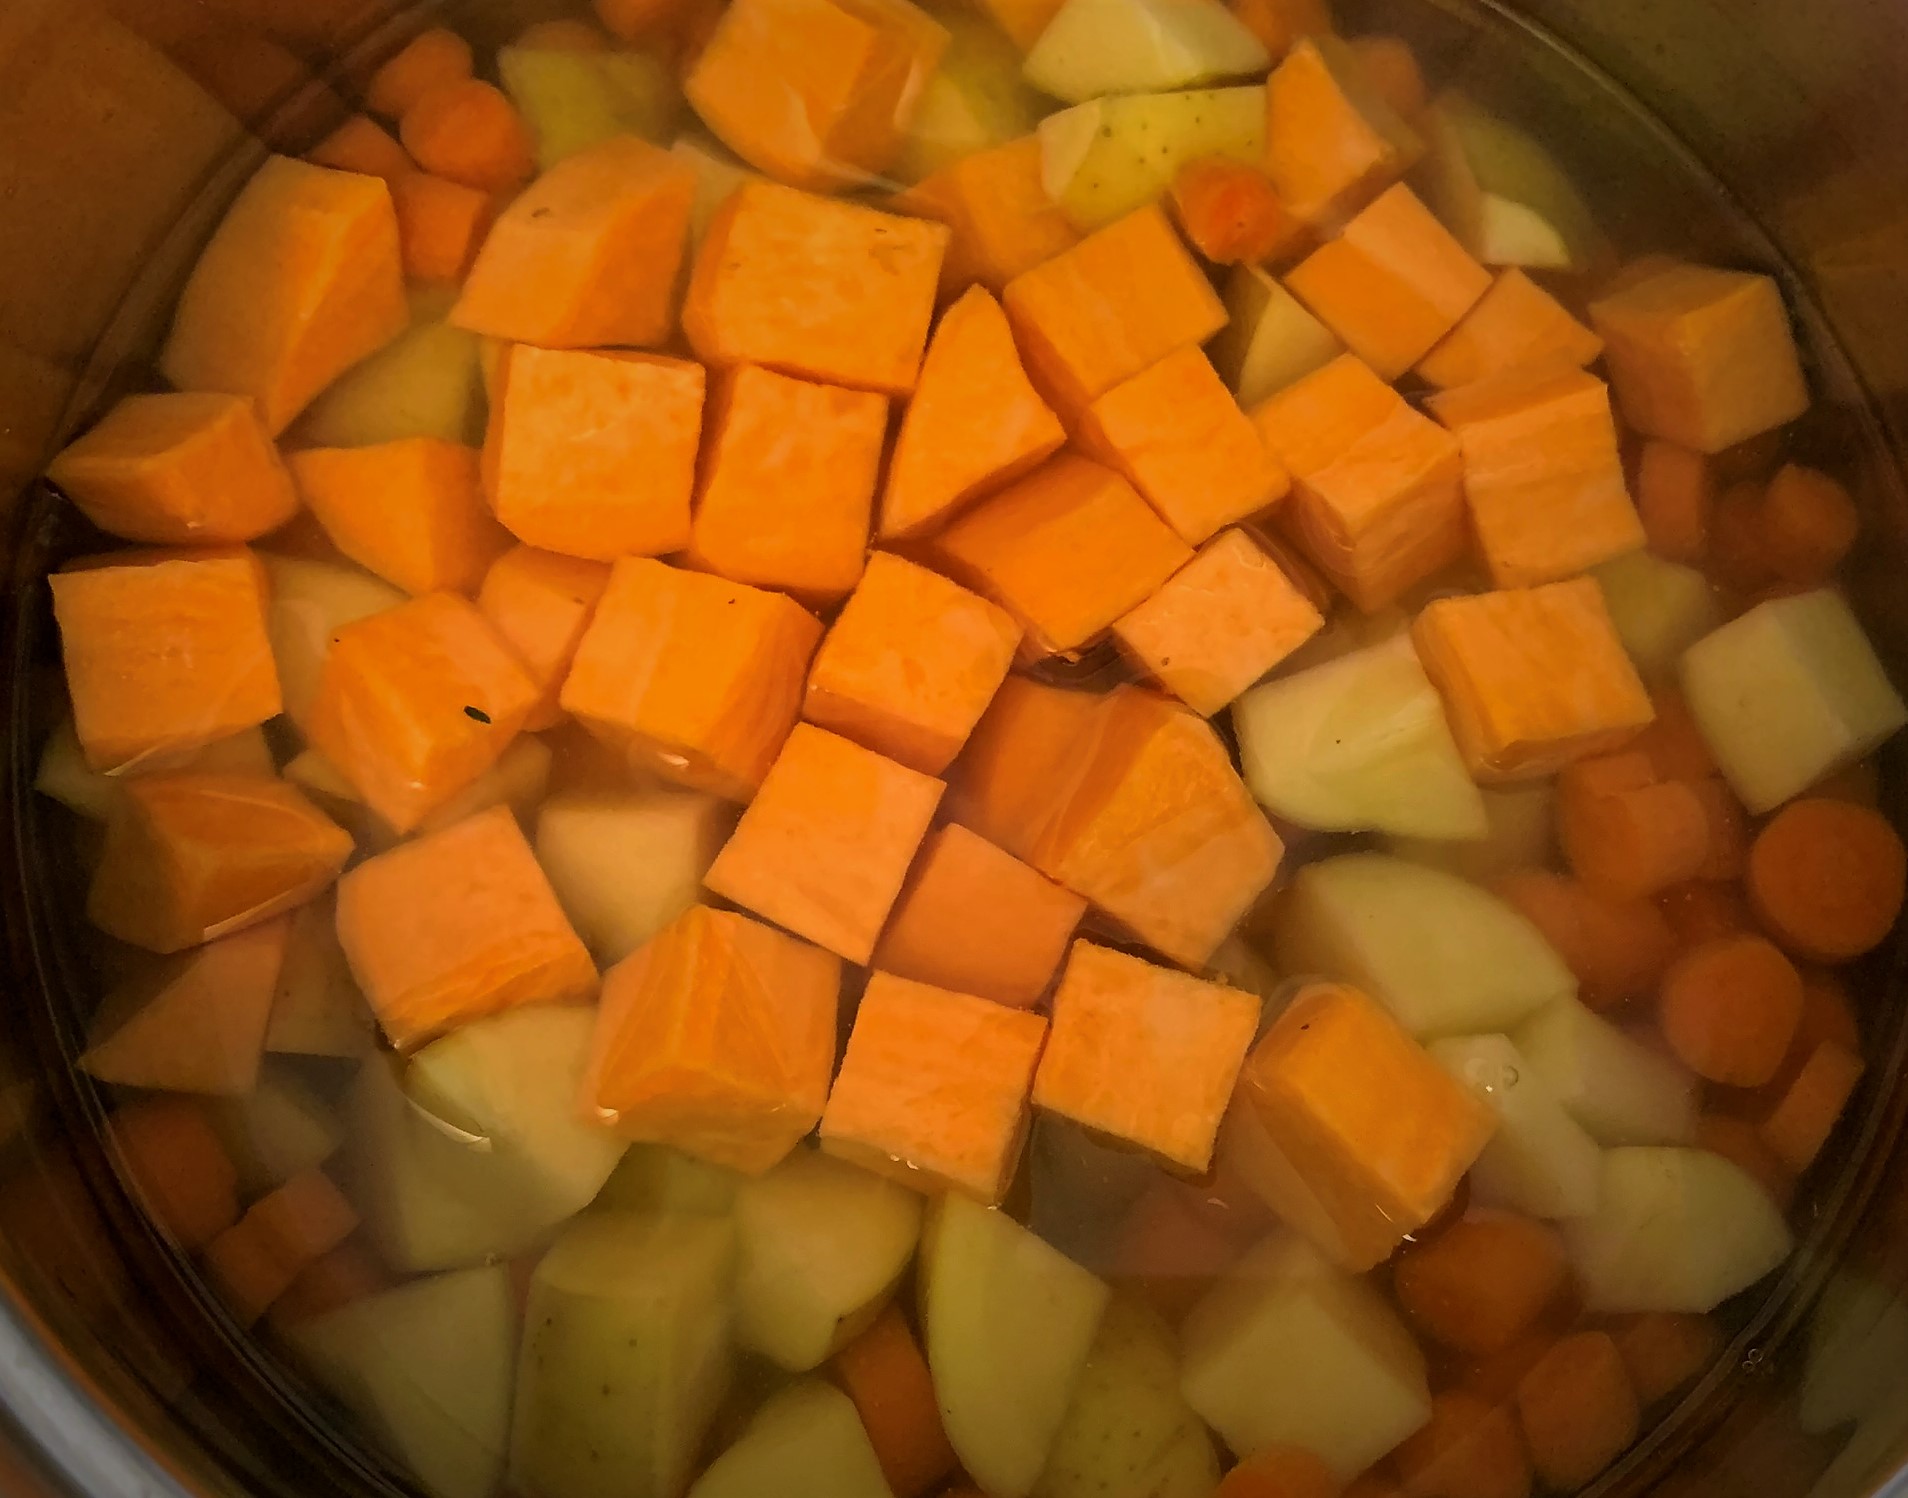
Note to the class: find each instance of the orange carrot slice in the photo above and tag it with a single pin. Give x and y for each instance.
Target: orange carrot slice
(1799, 1125)
(178, 1165)
(1231, 212)
(1578, 1409)
(1482, 1282)
(1675, 490)
(1618, 949)
(885, 1375)
(1664, 1350)
(1729, 1009)
(469, 131)
(1808, 523)
(1280, 1472)
(433, 57)
(1827, 878)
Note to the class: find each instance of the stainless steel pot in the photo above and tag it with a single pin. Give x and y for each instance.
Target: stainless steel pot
(125, 126)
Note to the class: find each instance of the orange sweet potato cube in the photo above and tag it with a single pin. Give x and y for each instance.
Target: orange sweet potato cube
(1143, 1053)
(246, 1268)
(1377, 1129)
(1113, 305)
(1019, 761)
(540, 603)
(826, 290)
(1218, 624)
(1065, 550)
(411, 511)
(589, 256)
(1378, 497)
(825, 844)
(1392, 284)
(818, 93)
(301, 280)
(1178, 435)
(178, 470)
(1542, 475)
(995, 205)
(1532, 678)
(1022, 20)
(441, 225)
(975, 421)
(1514, 324)
(788, 483)
(416, 702)
(455, 925)
(1157, 830)
(1703, 357)
(977, 920)
(1332, 142)
(196, 855)
(933, 1088)
(164, 652)
(695, 678)
(717, 1037)
(594, 455)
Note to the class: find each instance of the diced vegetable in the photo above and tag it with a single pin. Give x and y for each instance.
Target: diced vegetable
(470, 132)
(1618, 948)
(441, 226)
(1518, 835)
(1010, 1324)
(1540, 1160)
(658, 1179)
(1659, 608)
(1094, 47)
(1482, 1282)
(885, 1373)
(1332, 141)
(806, 1442)
(1502, 193)
(1577, 1409)
(1514, 325)
(310, 602)
(1444, 956)
(278, 1130)
(1018, 761)
(574, 100)
(1827, 878)
(1620, 1090)
(178, 1166)
(434, 56)
(361, 144)
(976, 99)
(1729, 1009)
(1270, 340)
(1102, 159)
(64, 775)
(1000, 218)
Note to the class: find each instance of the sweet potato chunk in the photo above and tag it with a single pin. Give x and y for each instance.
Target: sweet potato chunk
(1332, 142)
(933, 1088)
(540, 604)
(1000, 219)
(716, 1037)
(456, 925)
(1514, 324)
(1019, 762)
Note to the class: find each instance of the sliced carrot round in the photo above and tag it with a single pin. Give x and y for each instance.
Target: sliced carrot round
(1827, 878)
(1729, 1009)
(469, 131)
(1665, 1350)
(429, 59)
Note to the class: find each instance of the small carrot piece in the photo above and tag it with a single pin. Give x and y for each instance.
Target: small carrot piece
(1637, 842)
(564, 35)
(1664, 1350)
(632, 20)
(362, 145)
(1481, 1283)
(305, 1218)
(1494, 1377)
(431, 58)
(1699, 912)
(469, 131)
(1391, 68)
(1729, 1009)
(1470, 1448)
(1618, 949)
(1739, 1141)
(1578, 1409)
(1807, 523)
(886, 1376)
(1675, 491)
(247, 1270)
(1673, 744)
(1827, 878)
(349, 1272)
(441, 224)
(1799, 1125)
(1280, 1472)
(179, 1168)
(1728, 824)
(1231, 212)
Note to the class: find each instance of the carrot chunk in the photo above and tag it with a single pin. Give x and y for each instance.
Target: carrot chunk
(1111, 306)
(362, 145)
(302, 279)
(1729, 1009)
(1373, 1127)
(637, 20)
(469, 131)
(305, 1218)
(825, 844)
(1231, 212)
(1663, 1351)
(1115, 1019)
(1019, 762)
(411, 511)
(933, 1088)
(1827, 877)
(430, 58)
(1532, 678)
(1280, 24)
(817, 93)
(1799, 1125)
(1675, 493)
(1066, 550)
(1516, 324)
(1631, 844)
(717, 1036)
(1702, 357)
(594, 455)
(196, 855)
(1483, 1282)
(1280, 1471)
(590, 255)
(416, 702)
(1157, 829)
(456, 925)
(1332, 142)
(177, 470)
(886, 1376)
(1218, 624)
(1728, 857)
(1617, 948)
(694, 678)
(910, 665)
(1377, 499)
(787, 484)
(1542, 475)
(1392, 284)
(975, 421)
(977, 920)
(1808, 523)
(1471, 1448)
(246, 1270)
(1180, 438)
(998, 215)
(826, 290)
(346, 1274)
(540, 604)
(173, 1156)
(441, 225)
(1577, 1409)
